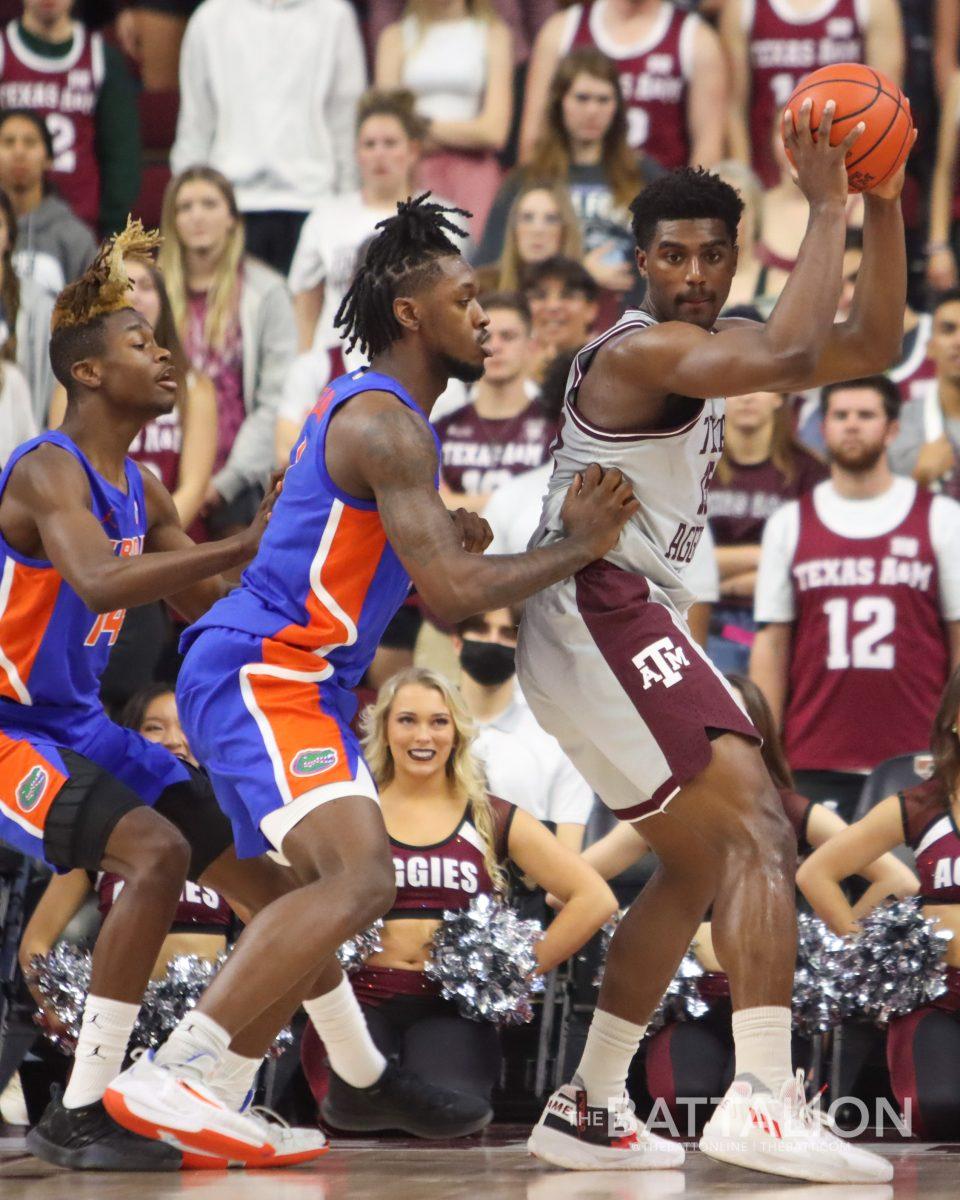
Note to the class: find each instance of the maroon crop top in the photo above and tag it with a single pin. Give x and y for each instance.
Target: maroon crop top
(931, 832)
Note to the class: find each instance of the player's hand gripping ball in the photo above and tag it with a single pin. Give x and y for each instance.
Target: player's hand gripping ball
(860, 94)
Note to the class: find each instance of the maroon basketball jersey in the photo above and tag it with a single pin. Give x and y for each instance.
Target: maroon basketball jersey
(783, 48)
(448, 874)
(64, 91)
(931, 832)
(913, 372)
(480, 454)
(653, 78)
(739, 507)
(869, 656)
(158, 446)
(199, 910)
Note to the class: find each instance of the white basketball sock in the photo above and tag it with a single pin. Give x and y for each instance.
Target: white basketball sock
(197, 1046)
(104, 1033)
(233, 1080)
(611, 1044)
(338, 1019)
(761, 1039)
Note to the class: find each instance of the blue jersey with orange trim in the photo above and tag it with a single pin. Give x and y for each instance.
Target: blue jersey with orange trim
(325, 582)
(53, 649)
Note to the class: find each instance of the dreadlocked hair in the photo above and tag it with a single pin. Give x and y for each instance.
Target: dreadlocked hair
(687, 194)
(77, 321)
(400, 259)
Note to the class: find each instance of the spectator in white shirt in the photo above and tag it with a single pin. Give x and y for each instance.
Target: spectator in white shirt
(524, 764)
(268, 94)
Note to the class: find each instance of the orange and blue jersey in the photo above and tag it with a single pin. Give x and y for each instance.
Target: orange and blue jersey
(325, 582)
(53, 650)
(265, 693)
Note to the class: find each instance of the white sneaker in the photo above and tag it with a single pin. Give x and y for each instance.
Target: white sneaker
(571, 1134)
(784, 1135)
(291, 1145)
(158, 1103)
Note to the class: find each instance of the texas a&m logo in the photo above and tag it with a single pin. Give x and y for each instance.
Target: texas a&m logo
(112, 622)
(661, 662)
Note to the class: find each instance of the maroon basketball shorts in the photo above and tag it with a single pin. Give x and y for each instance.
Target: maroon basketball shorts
(610, 669)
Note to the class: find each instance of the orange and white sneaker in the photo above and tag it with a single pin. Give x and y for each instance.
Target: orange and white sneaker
(785, 1135)
(159, 1103)
(571, 1134)
(291, 1145)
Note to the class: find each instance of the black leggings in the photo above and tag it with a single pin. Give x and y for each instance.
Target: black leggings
(428, 1036)
(923, 1054)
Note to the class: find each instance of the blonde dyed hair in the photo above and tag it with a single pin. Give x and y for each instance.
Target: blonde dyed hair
(223, 296)
(571, 245)
(463, 771)
(105, 285)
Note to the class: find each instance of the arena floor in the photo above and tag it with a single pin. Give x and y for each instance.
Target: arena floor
(498, 1168)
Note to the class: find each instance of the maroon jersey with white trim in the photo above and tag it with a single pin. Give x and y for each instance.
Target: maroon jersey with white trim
(64, 91)
(783, 48)
(930, 830)
(448, 874)
(199, 909)
(869, 656)
(653, 77)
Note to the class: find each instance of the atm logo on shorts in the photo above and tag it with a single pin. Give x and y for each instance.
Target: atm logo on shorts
(31, 788)
(314, 762)
(661, 662)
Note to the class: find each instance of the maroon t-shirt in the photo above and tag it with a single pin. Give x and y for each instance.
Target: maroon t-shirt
(480, 454)
(739, 508)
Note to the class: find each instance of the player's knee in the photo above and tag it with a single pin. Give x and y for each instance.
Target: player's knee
(162, 857)
(377, 893)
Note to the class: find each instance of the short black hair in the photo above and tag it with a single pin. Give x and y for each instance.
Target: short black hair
(135, 709)
(515, 302)
(472, 624)
(568, 271)
(401, 258)
(889, 393)
(71, 343)
(687, 194)
(35, 119)
(951, 296)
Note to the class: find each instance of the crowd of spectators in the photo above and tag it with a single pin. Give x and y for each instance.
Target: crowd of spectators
(269, 137)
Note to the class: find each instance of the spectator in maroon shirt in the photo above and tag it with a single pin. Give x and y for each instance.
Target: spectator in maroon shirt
(763, 465)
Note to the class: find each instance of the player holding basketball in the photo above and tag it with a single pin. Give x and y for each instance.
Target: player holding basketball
(265, 692)
(84, 533)
(608, 666)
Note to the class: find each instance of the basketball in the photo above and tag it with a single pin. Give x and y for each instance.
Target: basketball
(860, 94)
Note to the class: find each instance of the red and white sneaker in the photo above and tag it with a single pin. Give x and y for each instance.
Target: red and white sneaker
(291, 1145)
(158, 1103)
(785, 1135)
(571, 1134)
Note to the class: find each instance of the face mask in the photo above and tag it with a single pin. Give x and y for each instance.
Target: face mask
(489, 663)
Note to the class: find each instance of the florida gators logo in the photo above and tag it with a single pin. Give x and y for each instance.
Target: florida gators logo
(314, 761)
(31, 788)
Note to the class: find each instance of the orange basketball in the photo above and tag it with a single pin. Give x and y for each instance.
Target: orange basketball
(860, 94)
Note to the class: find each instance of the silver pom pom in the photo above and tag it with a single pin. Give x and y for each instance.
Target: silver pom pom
(821, 988)
(354, 953)
(62, 976)
(682, 1000)
(484, 959)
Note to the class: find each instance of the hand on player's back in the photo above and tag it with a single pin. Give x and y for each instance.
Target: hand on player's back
(598, 505)
(820, 168)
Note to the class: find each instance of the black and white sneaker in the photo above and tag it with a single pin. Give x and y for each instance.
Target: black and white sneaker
(571, 1134)
(402, 1100)
(86, 1139)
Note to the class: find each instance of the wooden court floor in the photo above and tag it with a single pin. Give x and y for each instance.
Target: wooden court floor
(496, 1168)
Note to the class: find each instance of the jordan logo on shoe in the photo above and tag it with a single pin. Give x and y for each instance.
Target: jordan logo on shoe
(95, 1053)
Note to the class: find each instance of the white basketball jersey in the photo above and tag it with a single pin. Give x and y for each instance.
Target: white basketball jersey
(670, 471)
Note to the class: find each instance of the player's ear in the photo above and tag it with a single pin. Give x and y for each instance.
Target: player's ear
(86, 371)
(407, 312)
(642, 261)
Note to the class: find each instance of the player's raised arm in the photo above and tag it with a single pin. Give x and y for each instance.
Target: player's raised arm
(685, 356)
(393, 452)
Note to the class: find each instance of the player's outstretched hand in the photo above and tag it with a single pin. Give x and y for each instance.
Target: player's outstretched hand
(474, 532)
(820, 167)
(598, 505)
